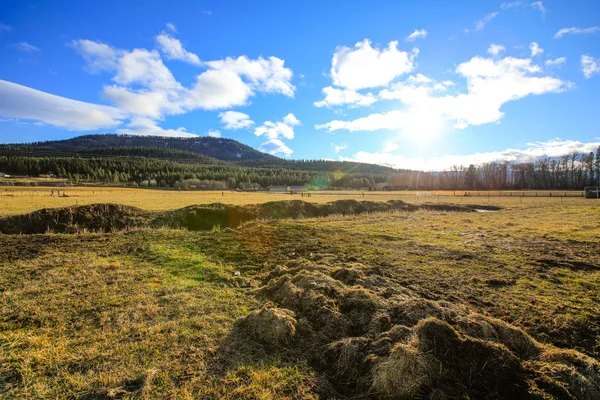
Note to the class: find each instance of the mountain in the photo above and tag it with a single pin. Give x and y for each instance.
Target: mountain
(203, 150)
(219, 148)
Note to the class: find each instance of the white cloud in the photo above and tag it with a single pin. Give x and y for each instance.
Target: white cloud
(265, 75)
(146, 87)
(535, 49)
(235, 120)
(148, 127)
(98, 56)
(22, 102)
(218, 89)
(291, 120)
(173, 49)
(144, 67)
(576, 31)
(496, 49)
(273, 130)
(364, 67)
(556, 62)
(424, 114)
(275, 146)
(419, 78)
(26, 47)
(338, 97)
(214, 133)
(171, 26)
(590, 66)
(417, 34)
(536, 150)
(338, 147)
(5, 28)
(390, 147)
(143, 103)
(480, 24)
(538, 5)
(513, 4)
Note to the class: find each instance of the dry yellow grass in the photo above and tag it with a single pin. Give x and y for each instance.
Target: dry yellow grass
(18, 200)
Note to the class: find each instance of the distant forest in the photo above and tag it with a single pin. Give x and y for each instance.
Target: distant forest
(173, 167)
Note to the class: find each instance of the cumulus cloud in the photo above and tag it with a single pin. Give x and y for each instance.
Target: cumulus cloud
(145, 91)
(417, 34)
(557, 62)
(267, 75)
(538, 5)
(98, 56)
(275, 146)
(575, 31)
(535, 49)
(145, 87)
(17, 101)
(218, 89)
(496, 49)
(214, 133)
(173, 49)
(364, 67)
(590, 66)
(490, 84)
(235, 120)
(273, 130)
(26, 47)
(337, 97)
(535, 151)
(148, 127)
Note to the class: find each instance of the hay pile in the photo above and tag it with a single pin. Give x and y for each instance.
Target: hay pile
(370, 336)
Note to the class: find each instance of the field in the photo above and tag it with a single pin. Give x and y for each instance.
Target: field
(423, 302)
(18, 200)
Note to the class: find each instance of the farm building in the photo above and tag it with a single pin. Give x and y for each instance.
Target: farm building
(278, 189)
(298, 189)
(592, 192)
(288, 189)
(3, 175)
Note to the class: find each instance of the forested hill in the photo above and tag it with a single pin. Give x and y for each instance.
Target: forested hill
(222, 149)
(202, 163)
(204, 150)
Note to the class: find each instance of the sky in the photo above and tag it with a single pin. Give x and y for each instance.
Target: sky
(410, 84)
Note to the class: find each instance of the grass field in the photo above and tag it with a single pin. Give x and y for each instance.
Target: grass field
(18, 200)
(161, 314)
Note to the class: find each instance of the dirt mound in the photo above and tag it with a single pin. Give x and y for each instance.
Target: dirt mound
(205, 217)
(385, 341)
(91, 218)
(112, 217)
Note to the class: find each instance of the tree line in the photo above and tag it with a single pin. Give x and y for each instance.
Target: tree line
(569, 172)
(152, 172)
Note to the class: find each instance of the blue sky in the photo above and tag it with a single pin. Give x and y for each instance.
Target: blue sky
(421, 84)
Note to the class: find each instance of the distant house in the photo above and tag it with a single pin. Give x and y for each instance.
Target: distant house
(288, 189)
(278, 189)
(47, 175)
(3, 175)
(592, 192)
(298, 189)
